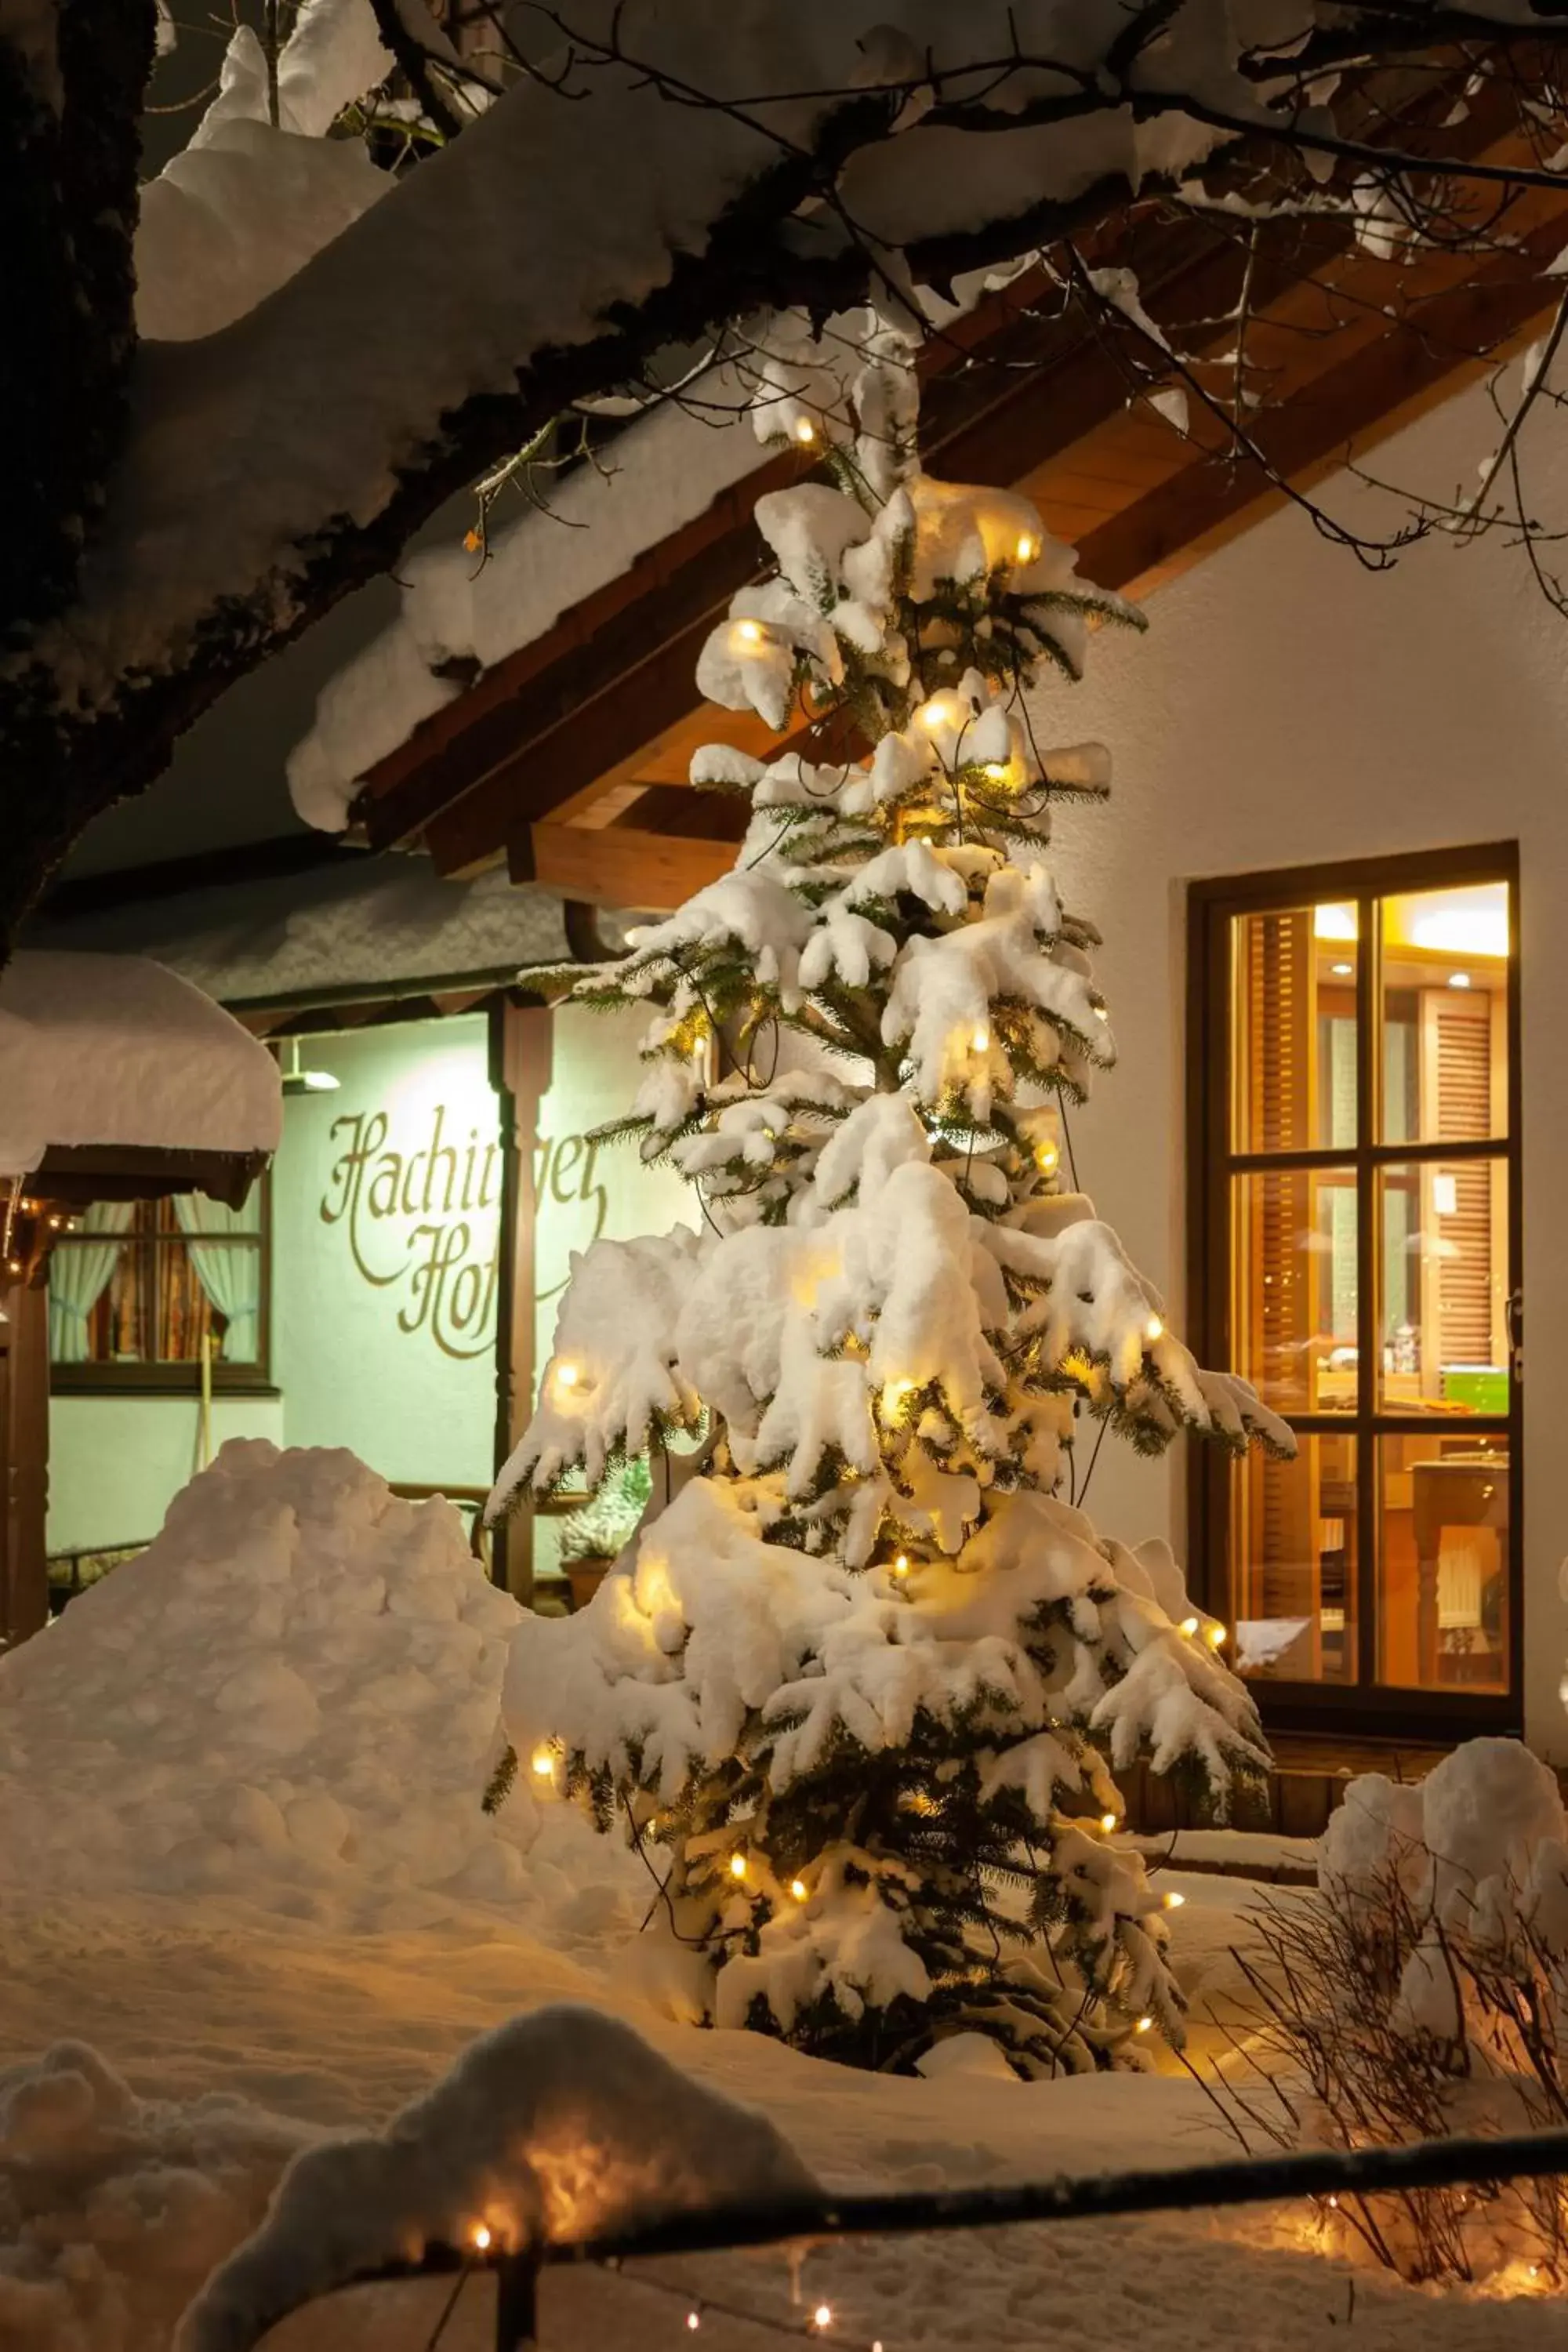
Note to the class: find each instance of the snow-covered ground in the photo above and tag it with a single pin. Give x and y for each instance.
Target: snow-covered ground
(286, 1987)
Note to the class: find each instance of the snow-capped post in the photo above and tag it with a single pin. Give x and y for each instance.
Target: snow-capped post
(864, 1676)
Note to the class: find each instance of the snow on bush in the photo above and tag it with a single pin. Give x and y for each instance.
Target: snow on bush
(1423, 1993)
(563, 2124)
(292, 1695)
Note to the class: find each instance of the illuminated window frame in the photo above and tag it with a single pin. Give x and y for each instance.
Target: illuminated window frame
(1212, 1164)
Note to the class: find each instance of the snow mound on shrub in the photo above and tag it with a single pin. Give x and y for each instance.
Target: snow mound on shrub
(292, 1697)
(1492, 1813)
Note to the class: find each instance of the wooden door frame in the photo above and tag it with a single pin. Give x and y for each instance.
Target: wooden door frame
(1211, 903)
(24, 1460)
(521, 1057)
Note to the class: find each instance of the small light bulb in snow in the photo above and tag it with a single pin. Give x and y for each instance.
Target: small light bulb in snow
(940, 711)
(694, 2320)
(1335, 2203)
(797, 1887)
(567, 1376)
(996, 770)
(804, 430)
(896, 1395)
(481, 2238)
(1189, 1626)
(544, 1762)
(1458, 980)
(1172, 1900)
(1144, 2025)
(1218, 1637)
(823, 2315)
(1154, 1330)
(1025, 549)
(981, 1041)
(737, 1865)
(902, 1565)
(748, 632)
(1108, 1822)
(1102, 1011)
(1046, 1158)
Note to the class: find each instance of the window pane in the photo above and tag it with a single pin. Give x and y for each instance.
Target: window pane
(1442, 1307)
(1292, 1563)
(141, 1294)
(1442, 1562)
(1293, 1313)
(1445, 1015)
(1293, 1083)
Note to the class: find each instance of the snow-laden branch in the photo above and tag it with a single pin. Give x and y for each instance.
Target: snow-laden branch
(682, 167)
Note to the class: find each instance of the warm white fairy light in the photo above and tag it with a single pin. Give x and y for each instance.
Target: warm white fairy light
(749, 633)
(567, 1376)
(896, 1396)
(481, 2238)
(941, 711)
(1144, 2025)
(902, 1565)
(1172, 1900)
(981, 1041)
(1154, 1330)
(1025, 549)
(544, 1762)
(1102, 1011)
(1046, 1158)
(694, 2320)
(823, 2315)
(1189, 1626)
(1218, 1637)
(804, 430)
(1108, 1822)
(737, 1865)
(996, 771)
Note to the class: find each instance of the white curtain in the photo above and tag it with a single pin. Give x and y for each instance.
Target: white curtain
(79, 1274)
(230, 1275)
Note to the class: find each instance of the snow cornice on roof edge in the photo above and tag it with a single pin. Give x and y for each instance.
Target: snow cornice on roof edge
(459, 610)
(105, 1050)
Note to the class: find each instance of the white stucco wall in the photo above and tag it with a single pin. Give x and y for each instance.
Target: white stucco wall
(1288, 707)
(117, 1462)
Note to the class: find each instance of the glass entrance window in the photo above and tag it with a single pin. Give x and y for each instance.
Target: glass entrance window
(1361, 1192)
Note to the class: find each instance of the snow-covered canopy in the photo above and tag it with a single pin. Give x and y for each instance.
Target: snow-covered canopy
(97, 1049)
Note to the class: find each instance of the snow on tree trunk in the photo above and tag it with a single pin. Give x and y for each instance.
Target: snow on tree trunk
(861, 1679)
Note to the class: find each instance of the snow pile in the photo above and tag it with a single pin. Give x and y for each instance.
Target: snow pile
(290, 1696)
(114, 2208)
(115, 1049)
(563, 2124)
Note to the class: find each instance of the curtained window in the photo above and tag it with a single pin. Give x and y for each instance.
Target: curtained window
(139, 1290)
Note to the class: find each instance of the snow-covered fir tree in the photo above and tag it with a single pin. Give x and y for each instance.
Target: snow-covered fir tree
(863, 1672)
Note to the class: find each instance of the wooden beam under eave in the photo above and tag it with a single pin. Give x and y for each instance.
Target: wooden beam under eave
(617, 865)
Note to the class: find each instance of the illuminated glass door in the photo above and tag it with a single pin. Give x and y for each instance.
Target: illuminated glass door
(1356, 1257)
